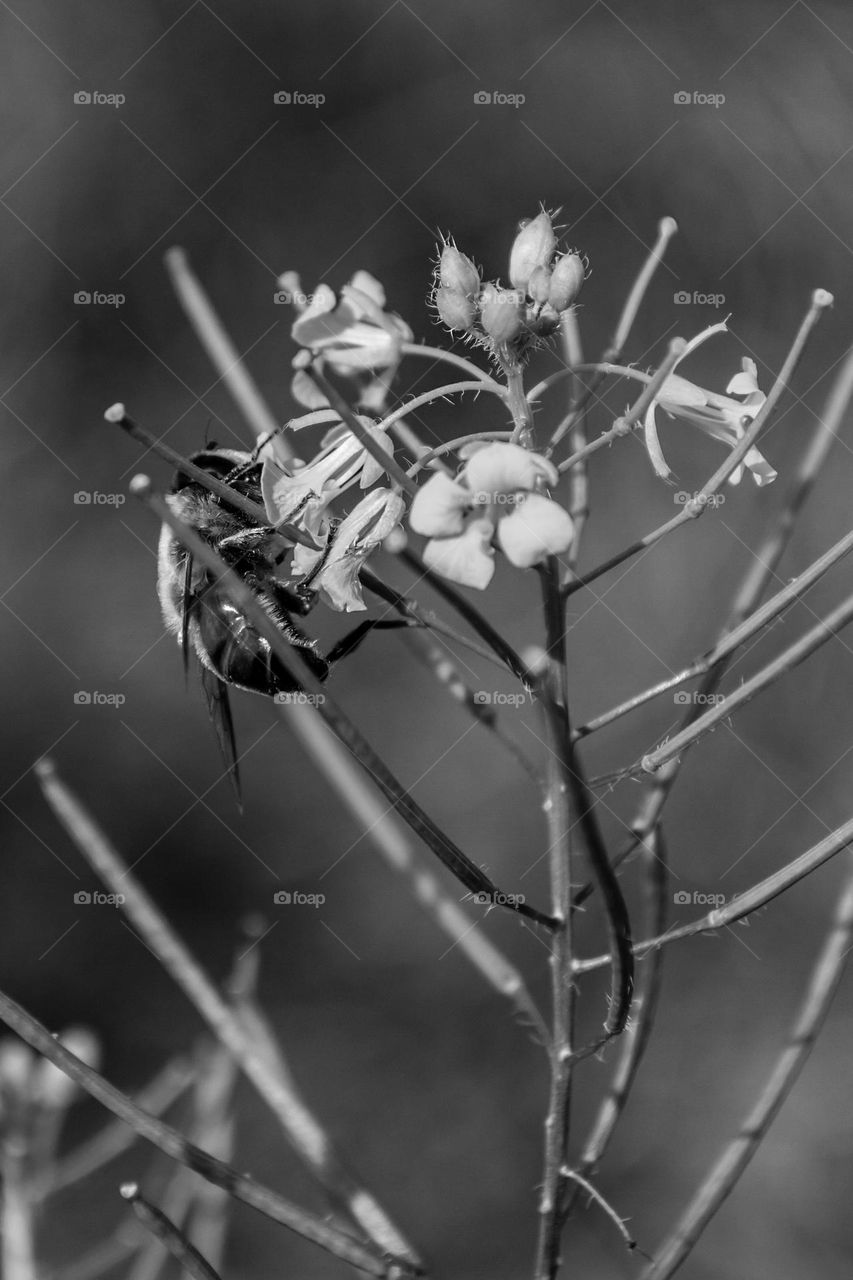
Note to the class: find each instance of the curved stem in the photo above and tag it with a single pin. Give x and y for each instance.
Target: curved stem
(451, 445)
(449, 357)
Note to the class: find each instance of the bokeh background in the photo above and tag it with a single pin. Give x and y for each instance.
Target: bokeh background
(412, 1061)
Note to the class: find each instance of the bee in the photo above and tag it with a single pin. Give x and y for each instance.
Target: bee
(206, 621)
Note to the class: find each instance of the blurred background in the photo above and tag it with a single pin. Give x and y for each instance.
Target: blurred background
(413, 1063)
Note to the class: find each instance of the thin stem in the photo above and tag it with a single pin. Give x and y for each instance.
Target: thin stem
(371, 446)
(469, 613)
(578, 470)
(438, 393)
(701, 500)
(558, 1121)
(257, 514)
(168, 1234)
(636, 1039)
(115, 1138)
(452, 445)
(724, 1175)
(625, 425)
(449, 357)
(223, 355)
(791, 657)
(391, 841)
(303, 1131)
(470, 875)
(745, 903)
(175, 1146)
(519, 405)
(594, 1194)
(731, 640)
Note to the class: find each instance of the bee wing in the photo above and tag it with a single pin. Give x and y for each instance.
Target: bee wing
(219, 706)
(185, 614)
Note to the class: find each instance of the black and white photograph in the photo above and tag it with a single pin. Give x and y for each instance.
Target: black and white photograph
(426, 791)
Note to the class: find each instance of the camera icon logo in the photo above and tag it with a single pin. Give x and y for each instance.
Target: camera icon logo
(282, 898)
(82, 698)
(682, 698)
(482, 697)
(82, 898)
(82, 498)
(482, 98)
(82, 298)
(282, 298)
(82, 98)
(682, 898)
(682, 298)
(282, 98)
(682, 98)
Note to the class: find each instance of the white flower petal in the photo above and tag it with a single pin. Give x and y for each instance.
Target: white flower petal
(538, 528)
(439, 507)
(650, 429)
(744, 383)
(506, 468)
(468, 559)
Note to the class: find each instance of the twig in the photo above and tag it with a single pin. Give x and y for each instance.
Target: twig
(724, 1175)
(450, 446)
(578, 470)
(599, 1199)
(115, 1138)
(301, 1128)
(744, 904)
(390, 840)
(469, 613)
(169, 1235)
(791, 657)
(175, 1146)
(449, 357)
(224, 356)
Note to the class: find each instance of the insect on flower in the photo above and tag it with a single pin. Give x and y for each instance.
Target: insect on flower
(201, 613)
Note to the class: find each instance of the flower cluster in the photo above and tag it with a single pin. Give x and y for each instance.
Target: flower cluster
(507, 321)
(495, 498)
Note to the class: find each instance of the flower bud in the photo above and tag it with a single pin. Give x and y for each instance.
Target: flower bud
(454, 308)
(566, 281)
(501, 313)
(533, 247)
(457, 272)
(538, 286)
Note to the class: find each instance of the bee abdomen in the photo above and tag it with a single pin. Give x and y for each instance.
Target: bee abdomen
(228, 644)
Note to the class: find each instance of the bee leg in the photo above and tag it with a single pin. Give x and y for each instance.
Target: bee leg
(350, 642)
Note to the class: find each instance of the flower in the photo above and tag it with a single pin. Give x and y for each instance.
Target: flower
(304, 494)
(718, 415)
(354, 335)
(335, 567)
(495, 498)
